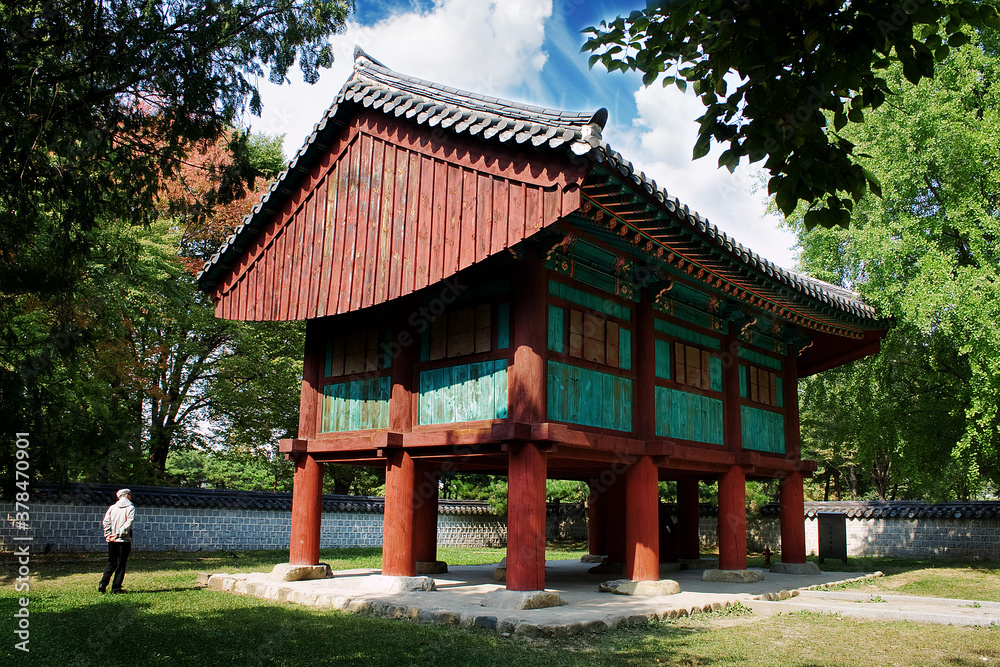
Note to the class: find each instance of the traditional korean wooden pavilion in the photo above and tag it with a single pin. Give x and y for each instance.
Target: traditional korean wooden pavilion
(489, 287)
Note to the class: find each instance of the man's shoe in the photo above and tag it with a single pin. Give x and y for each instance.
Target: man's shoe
(101, 589)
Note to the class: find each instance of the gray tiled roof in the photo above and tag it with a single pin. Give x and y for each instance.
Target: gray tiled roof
(902, 509)
(162, 496)
(465, 113)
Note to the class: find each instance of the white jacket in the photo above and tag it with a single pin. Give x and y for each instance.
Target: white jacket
(118, 521)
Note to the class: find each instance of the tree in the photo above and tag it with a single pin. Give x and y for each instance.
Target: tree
(100, 102)
(926, 253)
(783, 80)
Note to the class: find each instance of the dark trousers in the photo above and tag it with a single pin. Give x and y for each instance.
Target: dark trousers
(117, 558)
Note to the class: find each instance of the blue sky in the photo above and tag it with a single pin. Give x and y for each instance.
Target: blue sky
(529, 51)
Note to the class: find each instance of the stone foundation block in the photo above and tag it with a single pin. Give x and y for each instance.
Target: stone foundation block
(381, 583)
(733, 576)
(289, 572)
(501, 598)
(796, 568)
(640, 588)
(431, 567)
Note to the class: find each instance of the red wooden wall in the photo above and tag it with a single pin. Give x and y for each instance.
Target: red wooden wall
(391, 208)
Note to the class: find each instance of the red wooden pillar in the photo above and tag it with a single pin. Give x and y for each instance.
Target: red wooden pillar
(688, 518)
(526, 518)
(307, 511)
(617, 516)
(398, 558)
(425, 501)
(792, 518)
(307, 484)
(732, 529)
(790, 495)
(732, 520)
(527, 401)
(642, 534)
(597, 523)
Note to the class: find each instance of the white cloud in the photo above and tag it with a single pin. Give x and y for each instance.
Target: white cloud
(660, 144)
(487, 46)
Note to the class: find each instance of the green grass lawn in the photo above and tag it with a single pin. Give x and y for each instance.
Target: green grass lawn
(168, 620)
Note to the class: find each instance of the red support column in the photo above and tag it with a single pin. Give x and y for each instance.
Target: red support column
(526, 518)
(732, 520)
(642, 534)
(688, 519)
(597, 523)
(790, 494)
(307, 511)
(792, 518)
(426, 514)
(397, 536)
(307, 484)
(617, 516)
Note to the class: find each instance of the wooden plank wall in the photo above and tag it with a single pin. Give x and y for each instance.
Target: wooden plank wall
(465, 392)
(390, 209)
(763, 430)
(352, 406)
(687, 416)
(588, 397)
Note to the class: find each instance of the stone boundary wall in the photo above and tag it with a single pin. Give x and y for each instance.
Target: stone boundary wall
(204, 520)
(197, 519)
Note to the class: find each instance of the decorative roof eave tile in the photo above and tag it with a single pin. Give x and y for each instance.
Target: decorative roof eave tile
(372, 85)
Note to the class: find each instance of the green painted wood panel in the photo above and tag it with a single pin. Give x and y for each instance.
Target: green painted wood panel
(687, 416)
(662, 359)
(781, 394)
(591, 398)
(715, 365)
(328, 365)
(351, 406)
(465, 392)
(503, 326)
(588, 300)
(744, 382)
(678, 331)
(763, 431)
(759, 359)
(625, 349)
(557, 318)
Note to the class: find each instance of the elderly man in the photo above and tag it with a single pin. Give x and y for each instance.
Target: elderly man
(118, 533)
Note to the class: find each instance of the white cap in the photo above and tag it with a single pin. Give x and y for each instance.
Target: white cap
(124, 492)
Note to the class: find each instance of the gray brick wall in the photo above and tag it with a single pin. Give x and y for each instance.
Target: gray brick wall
(72, 527)
(76, 527)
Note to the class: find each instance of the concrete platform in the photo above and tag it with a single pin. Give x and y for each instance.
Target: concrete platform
(460, 593)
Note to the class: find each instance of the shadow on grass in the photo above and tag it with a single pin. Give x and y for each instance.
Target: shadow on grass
(205, 628)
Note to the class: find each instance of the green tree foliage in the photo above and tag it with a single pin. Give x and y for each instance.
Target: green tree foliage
(782, 80)
(923, 418)
(102, 104)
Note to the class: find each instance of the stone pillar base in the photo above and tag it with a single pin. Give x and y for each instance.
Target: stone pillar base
(808, 567)
(640, 588)
(384, 583)
(733, 576)
(290, 572)
(431, 567)
(504, 599)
